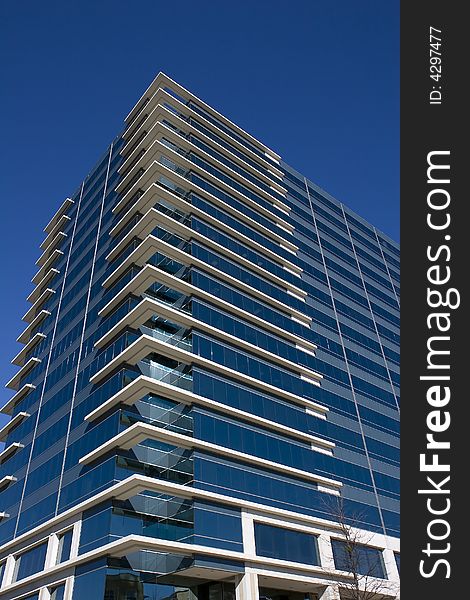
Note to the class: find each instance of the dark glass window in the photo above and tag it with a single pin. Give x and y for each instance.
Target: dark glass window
(358, 558)
(65, 545)
(285, 544)
(58, 592)
(30, 562)
(397, 560)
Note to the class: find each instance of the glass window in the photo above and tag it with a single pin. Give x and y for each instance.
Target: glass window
(30, 562)
(2, 570)
(397, 560)
(65, 545)
(285, 544)
(358, 558)
(57, 592)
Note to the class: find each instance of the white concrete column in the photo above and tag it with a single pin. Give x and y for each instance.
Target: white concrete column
(68, 594)
(44, 594)
(325, 551)
(246, 586)
(248, 533)
(391, 565)
(77, 529)
(9, 570)
(52, 550)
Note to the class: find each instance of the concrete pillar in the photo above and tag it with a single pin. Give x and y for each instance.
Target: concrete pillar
(248, 533)
(246, 587)
(44, 594)
(68, 595)
(325, 551)
(52, 550)
(9, 570)
(391, 565)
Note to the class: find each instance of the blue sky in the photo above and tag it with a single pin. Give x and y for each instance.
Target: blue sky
(316, 80)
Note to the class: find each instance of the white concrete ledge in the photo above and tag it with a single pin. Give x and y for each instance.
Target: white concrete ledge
(150, 274)
(10, 450)
(46, 266)
(134, 543)
(154, 193)
(155, 169)
(34, 295)
(25, 336)
(135, 484)
(52, 245)
(146, 345)
(162, 81)
(154, 218)
(64, 219)
(25, 389)
(66, 204)
(140, 432)
(157, 112)
(15, 380)
(180, 181)
(31, 313)
(142, 385)
(152, 245)
(159, 130)
(5, 481)
(148, 307)
(152, 154)
(16, 420)
(20, 357)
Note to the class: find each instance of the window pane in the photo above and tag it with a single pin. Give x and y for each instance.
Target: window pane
(30, 562)
(65, 544)
(285, 544)
(358, 558)
(58, 592)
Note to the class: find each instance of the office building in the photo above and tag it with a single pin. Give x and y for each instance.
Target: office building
(208, 387)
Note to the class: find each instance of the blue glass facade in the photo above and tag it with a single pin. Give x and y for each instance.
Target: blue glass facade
(219, 342)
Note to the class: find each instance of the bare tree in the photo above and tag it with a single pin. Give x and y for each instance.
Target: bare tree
(353, 555)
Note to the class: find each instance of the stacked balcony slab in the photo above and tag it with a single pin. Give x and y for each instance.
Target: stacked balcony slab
(209, 385)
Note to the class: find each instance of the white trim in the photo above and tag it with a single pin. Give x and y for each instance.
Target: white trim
(10, 450)
(162, 80)
(152, 215)
(60, 211)
(143, 385)
(148, 307)
(135, 484)
(25, 389)
(153, 218)
(30, 314)
(179, 181)
(151, 245)
(24, 336)
(42, 271)
(57, 227)
(139, 432)
(145, 345)
(152, 156)
(5, 430)
(45, 255)
(20, 357)
(160, 129)
(133, 543)
(6, 480)
(33, 296)
(150, 274)
(14, 382)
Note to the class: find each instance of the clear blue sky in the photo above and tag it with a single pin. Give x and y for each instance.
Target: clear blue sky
(316, 80)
